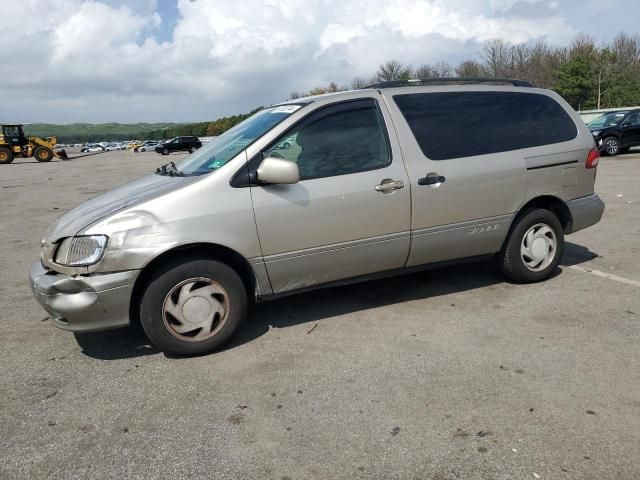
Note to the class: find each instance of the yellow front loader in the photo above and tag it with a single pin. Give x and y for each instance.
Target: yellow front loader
(13, 142)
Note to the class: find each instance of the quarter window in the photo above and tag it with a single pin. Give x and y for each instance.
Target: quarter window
(464, 124)
(336, 140)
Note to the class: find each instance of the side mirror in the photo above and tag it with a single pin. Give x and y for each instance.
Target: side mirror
(274, 170)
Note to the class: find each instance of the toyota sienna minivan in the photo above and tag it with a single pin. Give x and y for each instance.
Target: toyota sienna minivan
(372, 182)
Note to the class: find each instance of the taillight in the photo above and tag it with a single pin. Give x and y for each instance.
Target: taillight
(593, 158)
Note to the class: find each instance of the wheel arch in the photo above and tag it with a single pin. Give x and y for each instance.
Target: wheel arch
(614, 133)
(194, 250)
(548, 202)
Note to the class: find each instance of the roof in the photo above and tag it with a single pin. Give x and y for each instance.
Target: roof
(416, 82)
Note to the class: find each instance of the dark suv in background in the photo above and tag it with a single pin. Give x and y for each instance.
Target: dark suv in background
(179, 144)
(616, 132)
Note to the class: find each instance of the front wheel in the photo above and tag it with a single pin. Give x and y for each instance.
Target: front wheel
(611, 146)
(192, 307)
(534, 247)
(165, 151)
(43, 154)
(192, 149)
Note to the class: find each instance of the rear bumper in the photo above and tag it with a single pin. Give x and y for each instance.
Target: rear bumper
(84, 303)
(585, 211)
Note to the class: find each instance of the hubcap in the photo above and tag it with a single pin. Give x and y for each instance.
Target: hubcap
(538, 247)
(195, 309)
(612, 146)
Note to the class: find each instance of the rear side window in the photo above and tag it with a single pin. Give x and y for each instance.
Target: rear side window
(464, 124)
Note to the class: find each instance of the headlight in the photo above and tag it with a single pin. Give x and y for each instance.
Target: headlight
(81, 251)
(595, 133)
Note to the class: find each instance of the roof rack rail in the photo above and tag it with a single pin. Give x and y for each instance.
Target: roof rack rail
(457, 80)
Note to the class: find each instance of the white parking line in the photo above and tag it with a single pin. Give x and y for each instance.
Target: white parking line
(610, 276)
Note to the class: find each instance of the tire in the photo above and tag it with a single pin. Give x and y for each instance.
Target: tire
(165, 151)
(173, 326)
(519, 263)
(191, 149)
(6, 155)
(42, 154)
(611, 146)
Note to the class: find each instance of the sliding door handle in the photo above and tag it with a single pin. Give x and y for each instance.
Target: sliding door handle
(431, 180)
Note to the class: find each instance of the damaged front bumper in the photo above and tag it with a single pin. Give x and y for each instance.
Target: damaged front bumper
(84, 303)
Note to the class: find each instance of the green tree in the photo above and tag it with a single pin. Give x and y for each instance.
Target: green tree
(574, 83)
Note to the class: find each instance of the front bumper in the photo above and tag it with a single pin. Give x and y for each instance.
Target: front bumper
(84, 303)
(585, 211)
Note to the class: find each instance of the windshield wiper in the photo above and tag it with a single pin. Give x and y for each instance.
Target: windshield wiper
(169, 169)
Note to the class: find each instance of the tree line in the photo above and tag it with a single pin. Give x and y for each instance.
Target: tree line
(586, 74)
(115, 132)
(201, 129)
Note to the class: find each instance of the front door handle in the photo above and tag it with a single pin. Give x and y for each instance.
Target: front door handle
(431, 180)
(389, 185)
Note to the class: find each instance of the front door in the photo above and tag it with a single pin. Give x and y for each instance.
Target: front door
(350, 213)
(631, 130)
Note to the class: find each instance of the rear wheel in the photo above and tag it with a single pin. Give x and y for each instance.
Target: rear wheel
(6, 155)
(192, 307)
(611, 146)
(43, 154)
(534, 247)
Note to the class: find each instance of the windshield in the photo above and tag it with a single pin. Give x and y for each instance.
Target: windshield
(225, 147)
(608, 120)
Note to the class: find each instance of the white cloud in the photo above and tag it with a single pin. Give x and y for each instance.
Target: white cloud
(337, 33)
(98, 60)
(96, 27)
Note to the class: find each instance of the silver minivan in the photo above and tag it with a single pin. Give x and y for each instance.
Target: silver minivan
(323, 190)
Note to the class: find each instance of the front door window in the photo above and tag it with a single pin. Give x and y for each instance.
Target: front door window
(336, 140)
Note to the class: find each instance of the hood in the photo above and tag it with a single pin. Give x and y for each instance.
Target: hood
(110, 202)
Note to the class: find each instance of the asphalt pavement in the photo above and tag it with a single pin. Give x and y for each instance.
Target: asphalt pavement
(446, 374)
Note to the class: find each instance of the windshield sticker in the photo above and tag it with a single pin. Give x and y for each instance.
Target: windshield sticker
(215, 164)
(286, 109)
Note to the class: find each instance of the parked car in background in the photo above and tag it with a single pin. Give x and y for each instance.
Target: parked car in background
(616, 132)
(92, 148)
(149, 146)
(179, 144)
(113, 147)
(379, 181)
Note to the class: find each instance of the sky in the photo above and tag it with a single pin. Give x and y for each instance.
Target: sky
(198, 60)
